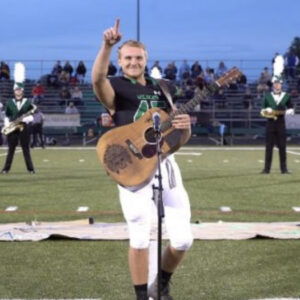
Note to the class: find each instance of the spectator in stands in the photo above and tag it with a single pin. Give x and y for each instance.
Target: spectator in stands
(57, 68)
(112, 69)
(171, 71)
(196, 69)
(199, 84)
(4, 70)
(68, 68)
(247, 99)
(188, 92)
(64, 96)
(157, 65)
(76, 96)
(64, 78)
(73, 81)
(184, 70)
(220, 98)
(242, 82)
(298, 85)
(80, 72)
(37, 129)
(209, 75)
(71, 109)
(221, 70)
(52, 79)
(38, 93)
(264, 82)
(291, 62)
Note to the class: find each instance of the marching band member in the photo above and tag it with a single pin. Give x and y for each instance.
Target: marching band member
(15, 109)
(275, 105)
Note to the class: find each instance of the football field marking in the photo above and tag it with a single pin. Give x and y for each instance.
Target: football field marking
(199, 148)
(52, 299)
(11, 208)
(5, 154)
(189, 153)
(82, 209)
(293, 152)
(225, 209)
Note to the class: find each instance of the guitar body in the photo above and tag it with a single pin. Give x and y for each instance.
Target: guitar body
(128, 153)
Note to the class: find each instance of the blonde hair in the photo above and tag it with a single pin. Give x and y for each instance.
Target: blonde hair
(132, 43)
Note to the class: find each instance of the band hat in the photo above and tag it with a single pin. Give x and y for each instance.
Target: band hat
(277, 79)
(19, 76)
(278, 68)
(18, 86)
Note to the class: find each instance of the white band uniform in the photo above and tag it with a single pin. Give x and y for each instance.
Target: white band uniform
(176, 207)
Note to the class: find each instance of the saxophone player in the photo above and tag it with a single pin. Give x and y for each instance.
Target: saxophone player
(15, 109)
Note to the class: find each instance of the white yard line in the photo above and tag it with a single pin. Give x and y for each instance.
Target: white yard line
(292, 152)
(5, 154)
(200, 148)
(52, 299)
(188, 153)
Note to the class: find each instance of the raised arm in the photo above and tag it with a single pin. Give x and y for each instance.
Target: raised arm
(101, 84)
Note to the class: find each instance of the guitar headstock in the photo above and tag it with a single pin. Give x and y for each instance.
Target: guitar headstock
(230, 76)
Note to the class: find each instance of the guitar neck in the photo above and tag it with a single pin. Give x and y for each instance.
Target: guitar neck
(231, 75)
(190, 105)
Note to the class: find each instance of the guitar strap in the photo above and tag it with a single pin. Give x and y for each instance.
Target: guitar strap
(165, 88)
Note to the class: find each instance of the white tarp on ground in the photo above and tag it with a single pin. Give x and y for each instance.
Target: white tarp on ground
(82, 230)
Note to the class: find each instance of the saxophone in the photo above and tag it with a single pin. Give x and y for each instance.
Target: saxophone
(272, 115)
(17, 123)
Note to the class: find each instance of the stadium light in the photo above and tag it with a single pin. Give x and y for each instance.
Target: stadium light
(138, 20)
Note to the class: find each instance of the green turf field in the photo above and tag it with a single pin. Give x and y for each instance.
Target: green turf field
(213, 270)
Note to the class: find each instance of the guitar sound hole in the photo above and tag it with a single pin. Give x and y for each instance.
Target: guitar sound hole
(150, 136)
(149, 150)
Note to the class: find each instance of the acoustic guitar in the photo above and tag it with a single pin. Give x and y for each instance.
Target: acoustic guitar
(128, 153)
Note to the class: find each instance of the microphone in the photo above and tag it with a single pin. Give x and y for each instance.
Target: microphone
(156, 122)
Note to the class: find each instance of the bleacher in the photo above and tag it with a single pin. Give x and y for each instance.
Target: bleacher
(241, 122)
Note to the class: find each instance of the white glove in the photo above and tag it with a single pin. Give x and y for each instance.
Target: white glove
(290, 112)
(6, 121)
(27, 119)
(269, 110)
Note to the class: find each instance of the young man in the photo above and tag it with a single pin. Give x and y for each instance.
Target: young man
(15, 108)
(274, 106)
(127, 98)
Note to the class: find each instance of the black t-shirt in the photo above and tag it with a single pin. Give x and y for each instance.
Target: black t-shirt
(132, 99)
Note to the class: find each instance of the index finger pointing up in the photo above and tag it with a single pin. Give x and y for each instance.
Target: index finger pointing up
(117, 25)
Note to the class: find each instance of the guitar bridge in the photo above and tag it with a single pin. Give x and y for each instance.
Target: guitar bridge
(134, 150)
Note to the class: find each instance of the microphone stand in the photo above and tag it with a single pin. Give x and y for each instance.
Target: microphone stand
(157, 197)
